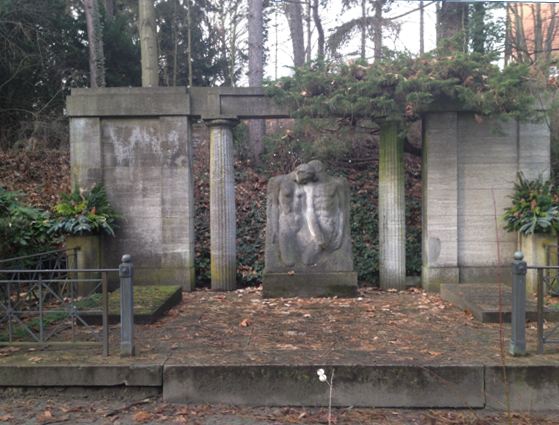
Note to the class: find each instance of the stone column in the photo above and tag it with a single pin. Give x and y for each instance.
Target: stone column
(222, 204)
(392, 207)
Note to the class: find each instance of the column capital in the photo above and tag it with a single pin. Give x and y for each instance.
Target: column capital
(221, 121)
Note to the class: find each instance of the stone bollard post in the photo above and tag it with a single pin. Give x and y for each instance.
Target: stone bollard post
(222, 205)
(518, 319)
(126, 272)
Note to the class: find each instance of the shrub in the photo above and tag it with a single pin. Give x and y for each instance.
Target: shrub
(534, 207)
(23, 229)
(82, 212)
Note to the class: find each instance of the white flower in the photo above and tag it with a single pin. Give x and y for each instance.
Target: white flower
(320, 372)
(322, 378)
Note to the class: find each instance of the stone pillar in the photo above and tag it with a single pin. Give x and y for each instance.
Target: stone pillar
(222, 204)
(440, 200)
(392, 207)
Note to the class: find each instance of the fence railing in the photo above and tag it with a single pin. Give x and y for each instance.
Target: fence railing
(547, 277)
(42, 306)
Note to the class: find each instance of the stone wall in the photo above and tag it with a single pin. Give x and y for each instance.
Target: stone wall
(469, 170)
(144, 163)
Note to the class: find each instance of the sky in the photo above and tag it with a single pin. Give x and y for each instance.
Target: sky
(333, 15)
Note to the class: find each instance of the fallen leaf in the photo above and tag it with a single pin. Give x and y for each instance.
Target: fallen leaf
(245, 323)
(142, 416)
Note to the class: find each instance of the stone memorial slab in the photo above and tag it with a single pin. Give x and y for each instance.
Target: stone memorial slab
(308, 240)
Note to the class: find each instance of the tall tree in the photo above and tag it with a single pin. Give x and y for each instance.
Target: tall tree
(256, 128)
(365, 25)
(377, 34)
(294, 14)
(95, 39)
(319, 29)
(148, 44)
(531, 32)
(452, 22)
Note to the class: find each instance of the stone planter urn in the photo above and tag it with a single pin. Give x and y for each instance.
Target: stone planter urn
(534, 249)
(88, 257)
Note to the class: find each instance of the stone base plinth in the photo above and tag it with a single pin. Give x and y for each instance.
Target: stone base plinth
(306, 285)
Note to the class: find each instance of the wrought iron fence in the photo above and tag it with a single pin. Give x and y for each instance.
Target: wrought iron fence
(547, 283)
(50, 307)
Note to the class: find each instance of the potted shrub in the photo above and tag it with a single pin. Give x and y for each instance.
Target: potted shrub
(82, 217)
(534, 214)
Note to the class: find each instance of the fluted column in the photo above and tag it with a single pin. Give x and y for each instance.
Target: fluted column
(222, 204)
(392, 207)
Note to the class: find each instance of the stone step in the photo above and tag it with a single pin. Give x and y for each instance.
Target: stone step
(488, 301)
(533, 385)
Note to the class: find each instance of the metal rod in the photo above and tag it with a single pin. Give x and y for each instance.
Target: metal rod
(105, 315)
(540, 312)
(41, 317)
(24, 257)
(66, 270)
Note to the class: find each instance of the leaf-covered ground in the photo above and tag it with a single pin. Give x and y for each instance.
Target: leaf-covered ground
(119, 407)
(241, 327)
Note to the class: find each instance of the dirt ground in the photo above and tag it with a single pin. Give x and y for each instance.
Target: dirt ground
(240, 327)
(54, 407)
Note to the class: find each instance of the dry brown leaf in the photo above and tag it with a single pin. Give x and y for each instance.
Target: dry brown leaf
(142, 416)
(245, 323)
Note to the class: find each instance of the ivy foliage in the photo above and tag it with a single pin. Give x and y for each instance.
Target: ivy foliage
(84, 212)
(403, 86)
(534, 207)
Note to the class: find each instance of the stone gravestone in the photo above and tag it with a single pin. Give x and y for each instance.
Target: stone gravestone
(308, 240)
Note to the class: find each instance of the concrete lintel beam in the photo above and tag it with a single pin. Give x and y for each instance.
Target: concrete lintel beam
(132, 101)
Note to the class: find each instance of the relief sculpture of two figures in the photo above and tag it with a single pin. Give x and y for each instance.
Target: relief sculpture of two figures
(308, 241)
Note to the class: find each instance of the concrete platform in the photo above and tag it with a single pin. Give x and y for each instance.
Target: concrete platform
(488, 301)
(404, 349)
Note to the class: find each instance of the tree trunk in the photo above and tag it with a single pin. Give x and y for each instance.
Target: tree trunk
(538, 30)
(148, 44)
(109, 9)
(421, 28)
(319, 30)
(294, 14)
(551, 32)
(189, 41)
(377, 34)
(452, 18)
(95, 40)
(363, 30)
(256, 128)
(478, 28)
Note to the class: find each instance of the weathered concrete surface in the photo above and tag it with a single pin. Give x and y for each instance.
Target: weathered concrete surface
(334, 284)
(147, 172)
(64, 375)
(488, 301)
(469, 171)
(375, 386)
(535, 254)
(527, 387)
(128, 102)
(243, 102)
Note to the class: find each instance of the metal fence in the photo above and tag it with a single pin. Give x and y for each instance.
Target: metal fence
(547, 280)
(48, 306)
